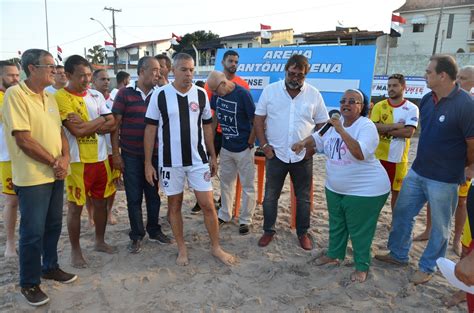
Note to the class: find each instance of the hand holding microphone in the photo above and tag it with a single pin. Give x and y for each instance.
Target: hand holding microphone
(333, 114)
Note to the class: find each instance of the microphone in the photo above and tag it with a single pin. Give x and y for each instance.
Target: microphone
(332, 114)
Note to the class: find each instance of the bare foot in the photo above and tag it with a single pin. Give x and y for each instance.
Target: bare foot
(422, 237)
(91, 223)
(182, 259)
(224, 257)
(456, 298)
(111, 220)
(10, 252)
(103, 247)
(457, 247)
(326, 260)
(77, 260)
(358, 276)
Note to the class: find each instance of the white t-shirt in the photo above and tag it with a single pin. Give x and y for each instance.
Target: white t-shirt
(289, 120)
(344, 173)
(179, 118)
(51, 89)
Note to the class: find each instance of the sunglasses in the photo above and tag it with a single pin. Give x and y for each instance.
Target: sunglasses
(350, 101)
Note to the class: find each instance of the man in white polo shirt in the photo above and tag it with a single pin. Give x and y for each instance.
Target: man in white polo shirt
(291, 110)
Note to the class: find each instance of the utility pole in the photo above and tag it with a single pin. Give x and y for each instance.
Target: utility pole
(47, 31)
(114, 38)
(437, 27)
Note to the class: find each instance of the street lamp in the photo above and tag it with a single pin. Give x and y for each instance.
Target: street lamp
(113, 39)
(93, 19)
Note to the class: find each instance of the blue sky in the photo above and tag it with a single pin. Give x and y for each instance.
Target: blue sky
(23, 23)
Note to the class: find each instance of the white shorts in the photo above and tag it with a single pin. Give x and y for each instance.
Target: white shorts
(172, 179)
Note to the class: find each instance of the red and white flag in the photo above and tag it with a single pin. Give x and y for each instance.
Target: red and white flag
(60, 52)
(265, 33)
(398, 19)
(397, 30)
(175, 39)
(108, 43)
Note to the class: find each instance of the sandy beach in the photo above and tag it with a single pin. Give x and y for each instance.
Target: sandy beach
(278, 278)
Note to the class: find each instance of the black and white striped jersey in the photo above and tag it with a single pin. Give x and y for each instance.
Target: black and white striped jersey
(179, 118)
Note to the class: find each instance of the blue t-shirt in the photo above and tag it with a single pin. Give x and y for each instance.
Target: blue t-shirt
(445, 126)
(234, 112)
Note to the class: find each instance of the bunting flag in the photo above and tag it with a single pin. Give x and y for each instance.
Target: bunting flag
(265, 34)
(397, 30)
(60, 52)
(108, 43)
(175, 39)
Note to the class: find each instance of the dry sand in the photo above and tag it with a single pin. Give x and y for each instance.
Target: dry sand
(278, 278)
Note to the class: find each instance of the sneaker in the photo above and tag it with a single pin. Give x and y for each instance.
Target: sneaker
(244, 229)
(196, 209)
(60, 276)
(135, 246)
(160, 238)
(34, 295)
(221, 222)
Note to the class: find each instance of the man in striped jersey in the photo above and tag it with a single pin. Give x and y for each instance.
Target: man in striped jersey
(181, 116)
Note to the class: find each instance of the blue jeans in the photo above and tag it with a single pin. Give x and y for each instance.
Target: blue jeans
(41, 212)
(300, 173)
(415, 192)
(135, 185)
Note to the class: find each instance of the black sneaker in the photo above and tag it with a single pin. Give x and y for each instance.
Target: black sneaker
(196, 209)
(160, 238)
(34, 295)
(135, 246)
(221, 222)
(244, 229)
(60, 276)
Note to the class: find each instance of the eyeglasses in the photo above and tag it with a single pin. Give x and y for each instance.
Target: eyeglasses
(49, 66)
(350, 101)
(295, 75)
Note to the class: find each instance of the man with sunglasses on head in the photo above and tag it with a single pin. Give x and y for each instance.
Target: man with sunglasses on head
(396, 120)
(288, 111)
(39, 153)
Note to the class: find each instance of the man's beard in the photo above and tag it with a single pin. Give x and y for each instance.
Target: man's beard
(6, 85)
(294, 85)
(231, 70)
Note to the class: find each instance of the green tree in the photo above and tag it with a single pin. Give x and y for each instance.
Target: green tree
(96, 54)
(196, 38)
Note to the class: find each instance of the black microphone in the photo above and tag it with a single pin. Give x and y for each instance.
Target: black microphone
(332, 114)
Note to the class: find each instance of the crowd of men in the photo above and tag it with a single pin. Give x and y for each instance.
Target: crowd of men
(62, 128)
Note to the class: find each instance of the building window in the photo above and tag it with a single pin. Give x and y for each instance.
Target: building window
(449, 32)
(472, 17)
(418, 28)
(249, 45)
(472, 34)
(239, 45)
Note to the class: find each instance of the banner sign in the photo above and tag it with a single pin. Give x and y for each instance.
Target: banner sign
(415, 87)
(333, 69)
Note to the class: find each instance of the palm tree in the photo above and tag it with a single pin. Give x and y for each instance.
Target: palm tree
(96, 54)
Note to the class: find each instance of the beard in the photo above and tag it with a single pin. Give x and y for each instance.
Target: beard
(231, 70)
(6, 85)
(294, 85)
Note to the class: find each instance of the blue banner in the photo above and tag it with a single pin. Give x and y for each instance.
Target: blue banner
(333, 69)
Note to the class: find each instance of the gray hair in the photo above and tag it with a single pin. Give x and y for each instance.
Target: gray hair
(469, 69)
(32, 57)
(144, 63)
(181, 57)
